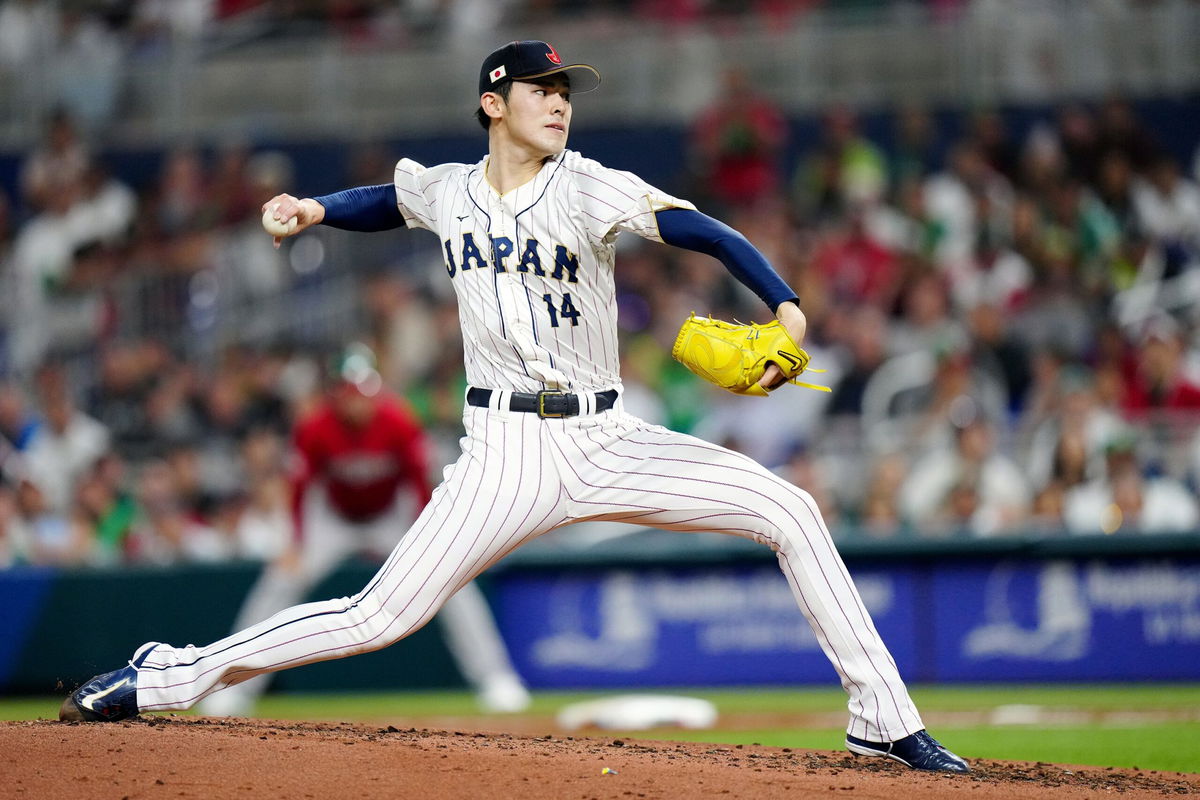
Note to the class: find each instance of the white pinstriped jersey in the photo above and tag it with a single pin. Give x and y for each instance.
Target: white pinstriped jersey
(533, 269)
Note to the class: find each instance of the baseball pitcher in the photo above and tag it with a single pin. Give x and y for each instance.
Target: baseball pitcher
(528, 234)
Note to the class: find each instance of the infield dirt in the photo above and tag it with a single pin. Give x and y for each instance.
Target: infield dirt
(189, 757)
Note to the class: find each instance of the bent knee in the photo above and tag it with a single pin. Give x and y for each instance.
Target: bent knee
(376, 625)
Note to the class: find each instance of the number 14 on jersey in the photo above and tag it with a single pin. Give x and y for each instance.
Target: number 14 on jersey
(566, 310)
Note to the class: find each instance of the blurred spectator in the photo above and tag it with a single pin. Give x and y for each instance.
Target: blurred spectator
(955, 196)
(1160, 380)
(119, 399)
(914, 156)
(164, 533)
(171, 416)
(855, 267)
(905, 228)
(1042, 164)
(264, 530)
(1120, 130)
(50, 536)
(1046, 515)
(180, 201)
(1056, 314)
(999, 276)
(399, 320)
(956, 514)
(232, 197)
(61, 260)
(1077, 238)
(196, 500)
(1115, 192)
(1079, 140)
(223, 426)
(996, 349)
(990, 135)
(971, 487)
(102, 517)
(1168, 210)
(59, 161)
(911, 398)
(880, 507)
(66, 446)
(642, 363)
(1124, 500)
(17, 423)
(992, 273)
(42, 260)
(1042, 398)
(1068, 446)
(266, 408)
(113, 510)
(14, 537)
(737, 143)
(926, 324)
(1114, 188)
(863, 353)
(845, 170)
(105, 211)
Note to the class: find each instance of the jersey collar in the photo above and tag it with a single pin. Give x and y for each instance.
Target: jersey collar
(537, 182)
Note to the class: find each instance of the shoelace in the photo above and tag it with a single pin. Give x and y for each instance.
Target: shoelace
(925, 737)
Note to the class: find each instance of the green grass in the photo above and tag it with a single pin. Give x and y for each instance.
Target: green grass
(1167, 747)
(1170, 745)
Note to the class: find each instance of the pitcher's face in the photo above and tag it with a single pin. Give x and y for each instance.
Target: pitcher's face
(537, 116)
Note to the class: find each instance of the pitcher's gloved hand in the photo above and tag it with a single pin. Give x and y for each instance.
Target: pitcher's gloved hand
(734, 356)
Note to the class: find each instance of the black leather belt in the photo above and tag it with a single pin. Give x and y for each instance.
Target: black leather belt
(546, 404)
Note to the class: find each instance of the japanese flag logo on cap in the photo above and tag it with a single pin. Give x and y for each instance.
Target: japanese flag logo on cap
(498, 73)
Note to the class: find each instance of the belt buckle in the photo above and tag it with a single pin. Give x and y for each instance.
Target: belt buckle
(541, 404)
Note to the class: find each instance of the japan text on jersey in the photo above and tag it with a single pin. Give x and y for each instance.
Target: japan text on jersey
(533, 268)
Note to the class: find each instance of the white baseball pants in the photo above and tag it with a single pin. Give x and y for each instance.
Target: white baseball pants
(520, 476)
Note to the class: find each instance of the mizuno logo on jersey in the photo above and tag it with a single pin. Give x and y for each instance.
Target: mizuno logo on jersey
(500, 258)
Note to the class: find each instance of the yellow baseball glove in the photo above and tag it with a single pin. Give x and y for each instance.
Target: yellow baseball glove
(735, 356)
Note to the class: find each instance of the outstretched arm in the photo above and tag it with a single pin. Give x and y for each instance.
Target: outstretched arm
(364, 208)
(693, 230)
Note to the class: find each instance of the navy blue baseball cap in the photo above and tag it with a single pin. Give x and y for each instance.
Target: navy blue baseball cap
(524, 61)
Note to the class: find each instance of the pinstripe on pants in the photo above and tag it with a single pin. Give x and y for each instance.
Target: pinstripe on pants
(520, 476)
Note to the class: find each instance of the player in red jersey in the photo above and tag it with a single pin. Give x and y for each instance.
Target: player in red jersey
(360, 479)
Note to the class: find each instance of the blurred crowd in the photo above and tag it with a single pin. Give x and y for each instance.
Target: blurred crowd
(83, 49)
(1008, 325)
(149, 22)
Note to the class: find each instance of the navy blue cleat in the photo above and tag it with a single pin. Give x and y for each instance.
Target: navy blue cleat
(108, 697)
(918, 750)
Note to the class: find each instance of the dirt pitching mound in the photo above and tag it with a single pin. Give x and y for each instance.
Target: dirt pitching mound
(189, 757)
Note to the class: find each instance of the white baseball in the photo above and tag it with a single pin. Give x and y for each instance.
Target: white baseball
(277, 227)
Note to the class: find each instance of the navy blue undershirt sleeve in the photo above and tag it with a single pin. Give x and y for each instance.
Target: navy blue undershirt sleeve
(692, 230)
(364, 208)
